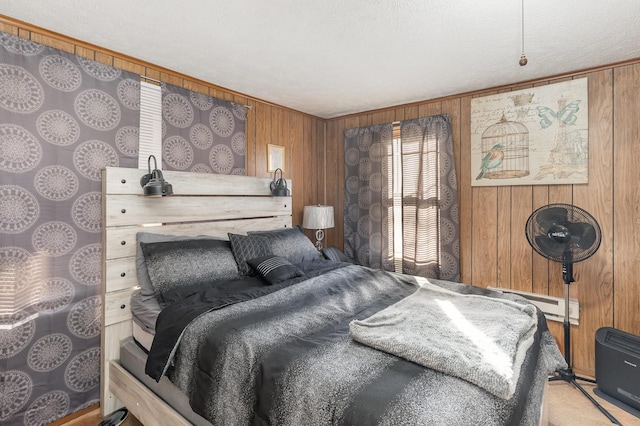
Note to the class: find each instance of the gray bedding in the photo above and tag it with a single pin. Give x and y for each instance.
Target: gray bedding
(285, 357)
(475, 342)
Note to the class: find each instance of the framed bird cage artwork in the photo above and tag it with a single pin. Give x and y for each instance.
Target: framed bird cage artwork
(535, 136)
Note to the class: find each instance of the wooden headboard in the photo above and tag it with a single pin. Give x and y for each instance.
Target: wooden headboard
(202, 204)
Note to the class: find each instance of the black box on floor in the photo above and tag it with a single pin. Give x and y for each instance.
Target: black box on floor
(618, 365)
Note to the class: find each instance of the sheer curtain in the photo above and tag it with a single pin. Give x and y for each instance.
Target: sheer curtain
(368, 210)
(429, 199)
(401, 198)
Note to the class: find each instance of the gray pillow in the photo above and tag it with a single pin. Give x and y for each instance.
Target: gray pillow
(247, 247)
(186, 263)
(146, 289)
(290, 243)
(335, 254)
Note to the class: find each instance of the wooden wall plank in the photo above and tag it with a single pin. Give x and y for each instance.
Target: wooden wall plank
(594, 276)
(9, 29)
(539, 264)
(104, 58)
(128, 66)
(333, 161)
(429, 109)
(321, 162)
(250, 138)
(521, 259)
(263, 137)
(296, 148)
(484, 235)
(465, 194)
(411, 112)
(65, 46)
(339, 186)
(85, 52)
(503, 236)
(626, 128)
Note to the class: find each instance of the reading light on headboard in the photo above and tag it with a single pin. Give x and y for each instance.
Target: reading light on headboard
(153, 183)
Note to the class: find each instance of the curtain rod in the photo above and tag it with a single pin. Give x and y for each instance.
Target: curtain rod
(160, 82)
(151, 79)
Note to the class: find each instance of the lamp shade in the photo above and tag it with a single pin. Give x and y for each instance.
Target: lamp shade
(318, 217)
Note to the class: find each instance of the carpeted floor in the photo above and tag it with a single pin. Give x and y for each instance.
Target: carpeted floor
(569, 407)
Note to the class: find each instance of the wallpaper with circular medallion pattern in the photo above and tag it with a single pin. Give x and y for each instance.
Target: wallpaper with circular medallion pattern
(202, 134)
(63, 119)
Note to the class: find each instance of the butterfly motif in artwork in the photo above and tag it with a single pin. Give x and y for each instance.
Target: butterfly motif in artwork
(567, 114)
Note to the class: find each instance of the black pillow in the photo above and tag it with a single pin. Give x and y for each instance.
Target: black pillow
(183, 263)
(291, 243)
(275, 269)
(247, 247)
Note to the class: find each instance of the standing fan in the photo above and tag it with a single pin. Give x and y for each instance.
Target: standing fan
(566, 234)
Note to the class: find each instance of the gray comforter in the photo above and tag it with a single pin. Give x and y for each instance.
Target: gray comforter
(483, 340)
(285, 357)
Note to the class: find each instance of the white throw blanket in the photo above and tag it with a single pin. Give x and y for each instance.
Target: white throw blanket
(479, 339)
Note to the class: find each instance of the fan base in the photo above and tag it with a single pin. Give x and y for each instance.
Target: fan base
(567, 375)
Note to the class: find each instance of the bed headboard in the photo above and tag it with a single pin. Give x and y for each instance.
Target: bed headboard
(202, 204)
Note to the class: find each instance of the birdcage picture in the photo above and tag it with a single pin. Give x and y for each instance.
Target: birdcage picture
(535, 136)
(504, 150)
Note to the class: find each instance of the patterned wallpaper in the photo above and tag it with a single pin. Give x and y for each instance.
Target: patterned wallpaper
(62, 119)
(201, 133)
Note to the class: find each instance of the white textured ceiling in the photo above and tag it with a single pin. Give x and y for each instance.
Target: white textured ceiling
(334, 57)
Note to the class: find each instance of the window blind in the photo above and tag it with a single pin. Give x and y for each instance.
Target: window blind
(150, 124)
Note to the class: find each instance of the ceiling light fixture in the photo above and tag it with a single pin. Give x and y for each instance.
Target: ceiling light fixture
(523, 58)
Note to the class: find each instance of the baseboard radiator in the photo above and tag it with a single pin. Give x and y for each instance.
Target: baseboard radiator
(552, 307)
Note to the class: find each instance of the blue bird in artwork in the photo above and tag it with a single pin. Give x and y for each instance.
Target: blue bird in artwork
(492, 160)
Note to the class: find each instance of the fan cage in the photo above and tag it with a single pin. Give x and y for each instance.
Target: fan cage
(574, 215)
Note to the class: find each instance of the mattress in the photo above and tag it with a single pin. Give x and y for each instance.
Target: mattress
(133, 359)
(142, 336)
(145, 311)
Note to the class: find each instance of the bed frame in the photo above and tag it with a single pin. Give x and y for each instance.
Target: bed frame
(202, 204)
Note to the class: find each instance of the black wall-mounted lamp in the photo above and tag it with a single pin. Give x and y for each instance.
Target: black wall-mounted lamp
(153, 184)
(279, 185)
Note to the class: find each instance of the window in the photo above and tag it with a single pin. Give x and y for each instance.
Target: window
(396, 179)
(401, 198)
(150, 124)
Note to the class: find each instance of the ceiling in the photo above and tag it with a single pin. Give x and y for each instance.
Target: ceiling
(330, 58)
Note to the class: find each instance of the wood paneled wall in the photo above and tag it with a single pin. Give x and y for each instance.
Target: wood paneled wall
(493, 248)
(301, 134)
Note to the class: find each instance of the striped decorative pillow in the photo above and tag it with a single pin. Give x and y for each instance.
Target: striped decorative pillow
(275, 269)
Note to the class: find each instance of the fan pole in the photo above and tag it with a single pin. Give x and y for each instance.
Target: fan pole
(567, 276)
(567, 374)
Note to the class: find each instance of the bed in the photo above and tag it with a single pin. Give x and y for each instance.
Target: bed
(271, 333)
